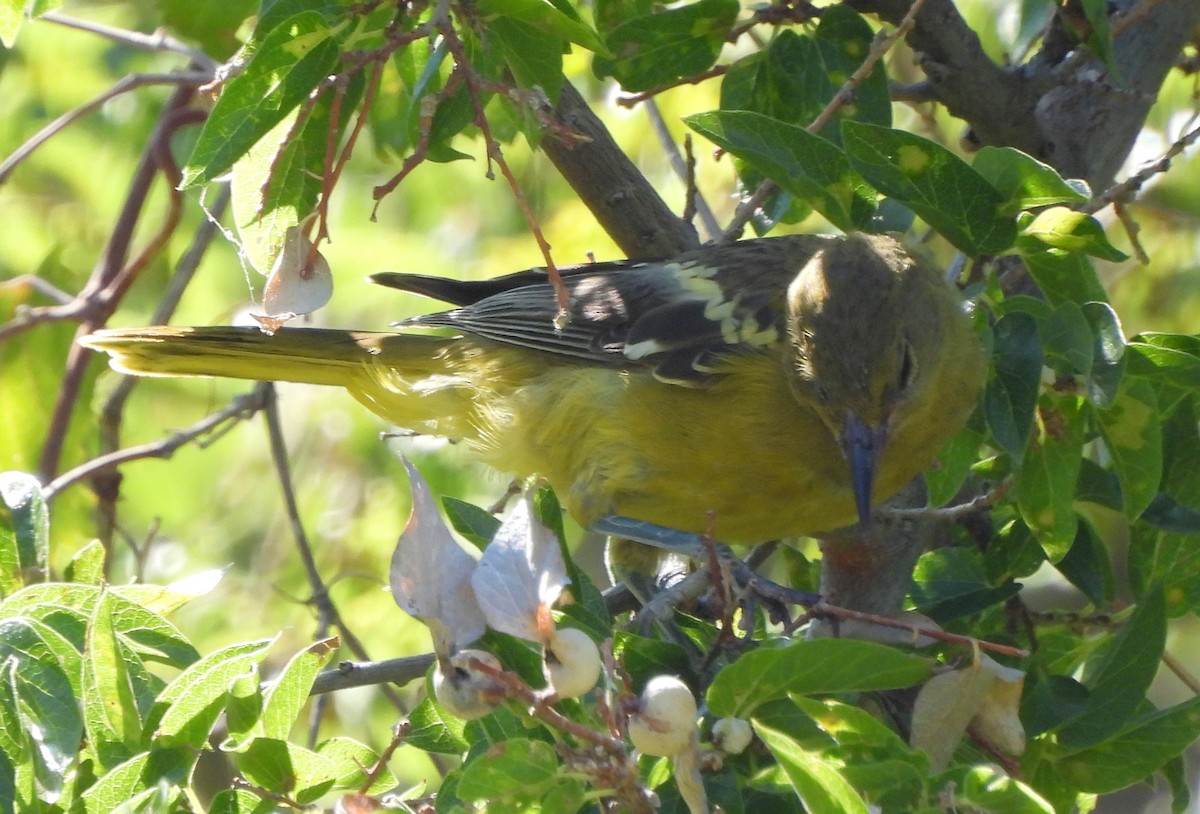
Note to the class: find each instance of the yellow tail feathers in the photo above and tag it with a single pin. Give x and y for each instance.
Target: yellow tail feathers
(402, 377)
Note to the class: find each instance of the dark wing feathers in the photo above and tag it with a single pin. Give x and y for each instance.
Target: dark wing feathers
(677, 316)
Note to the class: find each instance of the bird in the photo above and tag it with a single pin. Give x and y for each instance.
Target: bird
(768, 388)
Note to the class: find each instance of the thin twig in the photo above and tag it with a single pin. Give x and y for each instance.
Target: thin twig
(157, 41)
(494, 154)
(685, 168)
(240, 408)
(320, 598)
(1129, 187)
(951, 514)
(124, 85)
(107, 486)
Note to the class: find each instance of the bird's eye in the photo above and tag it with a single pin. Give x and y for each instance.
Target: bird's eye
(908, 366)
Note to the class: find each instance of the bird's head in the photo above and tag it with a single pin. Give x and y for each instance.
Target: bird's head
(860, 328)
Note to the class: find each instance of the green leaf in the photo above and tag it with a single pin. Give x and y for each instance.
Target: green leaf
(240, 801)
(111, 715)
(533, 56)
(1137, 752)
(808, 667)
(1012, 390)
(292, 61)
(277, 182)
(187, 709)
(1132, 432)
(87, 566)
(645, 657)
(286, 768)
(808, 166)
(43, 679)
(1045, 485)
(143, 629)
(517, 767)
(936, 184)
(289, 692)
(1108, 353)
(817, 781)
(1171, 362)
(1025, 182)
(137, 777)
(1087, 565)
(657, 49)
(541, 17)
(477, 525)
(434, 731)
(797, 76)
(353, 761)
(1072, 231)
(1062, 276)
(1172, 560)
(1121, 677)
(24, 531)
(953, 465)
(988, 788)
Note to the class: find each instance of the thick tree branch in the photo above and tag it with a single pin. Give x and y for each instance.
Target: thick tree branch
(1063, 106)
(623, 201)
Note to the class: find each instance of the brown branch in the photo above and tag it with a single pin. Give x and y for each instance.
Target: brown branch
(626, 205)
(240, 408)
(320, 599)
(124, 85)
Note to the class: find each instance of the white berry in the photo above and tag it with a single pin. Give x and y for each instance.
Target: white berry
(666, 717)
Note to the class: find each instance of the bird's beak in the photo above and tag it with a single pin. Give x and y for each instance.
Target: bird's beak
(862, 444)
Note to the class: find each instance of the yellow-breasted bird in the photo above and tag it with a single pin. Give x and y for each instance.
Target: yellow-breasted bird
(761, 389)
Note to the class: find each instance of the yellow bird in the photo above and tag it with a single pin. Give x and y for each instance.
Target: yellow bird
(762, 389)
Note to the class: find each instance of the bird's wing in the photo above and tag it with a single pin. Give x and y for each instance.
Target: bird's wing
(677, 317)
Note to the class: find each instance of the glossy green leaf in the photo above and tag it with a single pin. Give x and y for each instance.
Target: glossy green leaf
(1025, 182)
(1108, 353)
(1062, 276)
(1132, 431)
(1072, 231)
(24, 531)
(657, 49)
(1120, 678)
(1011, 393)
(817, 781)
(808, 166)
(808, 667)
(240, 801)
(292, 61)
(1087, 565)
(988, 788)
(1045, 485)
(936, 184)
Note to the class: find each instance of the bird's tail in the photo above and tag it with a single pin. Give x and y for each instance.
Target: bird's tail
(387, 372)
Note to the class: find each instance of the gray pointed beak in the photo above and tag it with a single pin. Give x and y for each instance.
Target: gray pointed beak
(862, 444)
